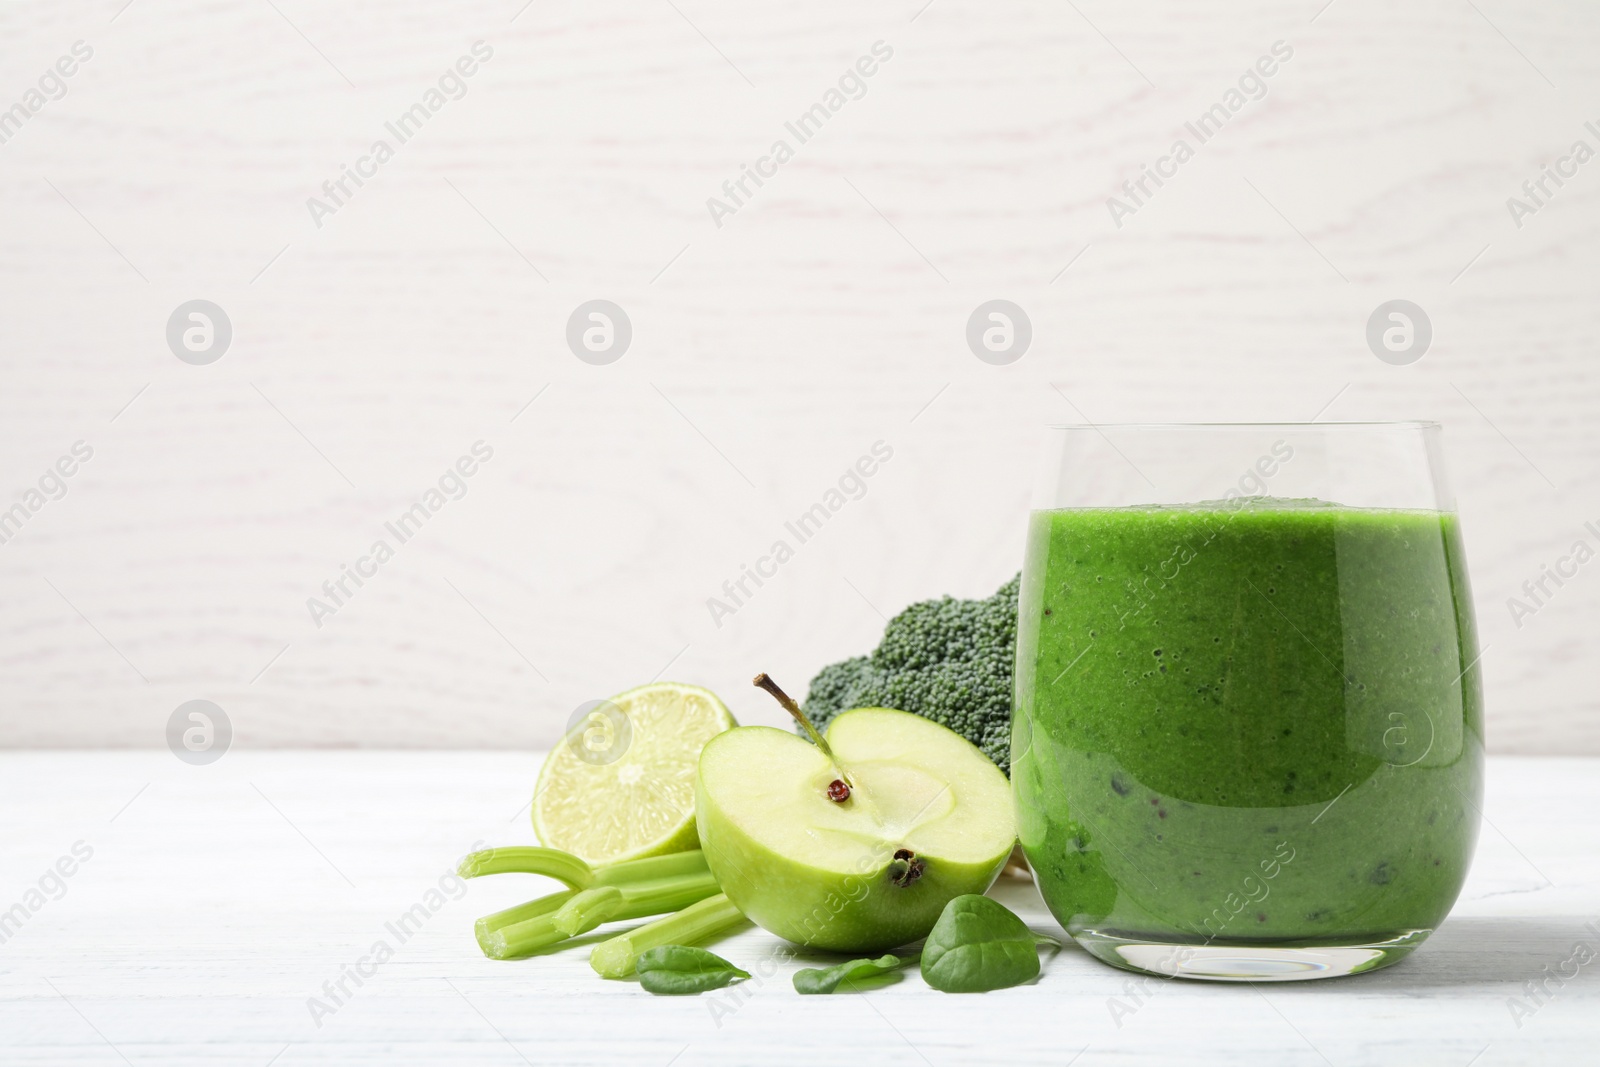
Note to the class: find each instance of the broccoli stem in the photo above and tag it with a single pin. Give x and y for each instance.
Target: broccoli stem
(619, 957)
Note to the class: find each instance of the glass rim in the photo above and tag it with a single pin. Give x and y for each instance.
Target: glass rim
(1403, 424)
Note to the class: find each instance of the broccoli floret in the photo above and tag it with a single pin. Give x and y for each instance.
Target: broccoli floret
(947, 660)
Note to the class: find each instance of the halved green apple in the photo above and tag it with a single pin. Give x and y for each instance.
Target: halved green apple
(927, 818)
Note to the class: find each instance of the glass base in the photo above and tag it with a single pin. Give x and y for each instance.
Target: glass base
(1245, 961)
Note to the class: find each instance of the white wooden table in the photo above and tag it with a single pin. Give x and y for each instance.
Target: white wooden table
(218, 900)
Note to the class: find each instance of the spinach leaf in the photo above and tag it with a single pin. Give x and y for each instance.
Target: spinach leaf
(827, 979)
(677, 970)
(978, 945)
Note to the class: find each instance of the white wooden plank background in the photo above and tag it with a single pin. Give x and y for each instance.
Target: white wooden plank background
(219, 899)
(768, 354)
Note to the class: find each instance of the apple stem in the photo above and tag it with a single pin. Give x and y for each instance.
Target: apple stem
(761, 681)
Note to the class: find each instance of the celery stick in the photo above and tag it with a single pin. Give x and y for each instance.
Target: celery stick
(659, 896)
(526, 859)
(531, 910)
(588, 909)
(544, 926)
(618, 957)
(668, 866)
(521, 939)
(631, 890)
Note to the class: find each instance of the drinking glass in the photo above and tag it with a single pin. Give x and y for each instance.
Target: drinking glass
(1247, 739)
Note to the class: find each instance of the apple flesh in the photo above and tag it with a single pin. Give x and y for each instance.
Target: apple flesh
(928, 818)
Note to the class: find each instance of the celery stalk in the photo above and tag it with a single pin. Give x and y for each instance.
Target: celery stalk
(631, 890)
(527, 859)
(589, 909)
(672, 865)
(531, 910)
(702, 921)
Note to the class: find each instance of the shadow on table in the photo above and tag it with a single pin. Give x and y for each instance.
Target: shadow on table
(1474, 950)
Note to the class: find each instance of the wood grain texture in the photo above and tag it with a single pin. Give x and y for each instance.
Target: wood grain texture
(768, 353)
(218, 900)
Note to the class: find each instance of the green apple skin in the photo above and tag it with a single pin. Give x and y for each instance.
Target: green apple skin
(823, 874)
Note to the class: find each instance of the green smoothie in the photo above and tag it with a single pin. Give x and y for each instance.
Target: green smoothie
(1255, 722)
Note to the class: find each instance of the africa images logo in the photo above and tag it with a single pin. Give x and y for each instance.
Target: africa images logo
(1252, 86)
(452, 85)
(851, 85)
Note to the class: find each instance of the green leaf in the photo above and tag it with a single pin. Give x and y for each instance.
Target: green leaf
(678, 970)
(978, 945)
(827, 979)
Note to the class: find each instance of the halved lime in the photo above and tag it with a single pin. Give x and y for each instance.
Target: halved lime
(620, 784)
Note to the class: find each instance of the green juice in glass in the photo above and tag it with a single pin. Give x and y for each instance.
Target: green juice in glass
(1247, 723)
